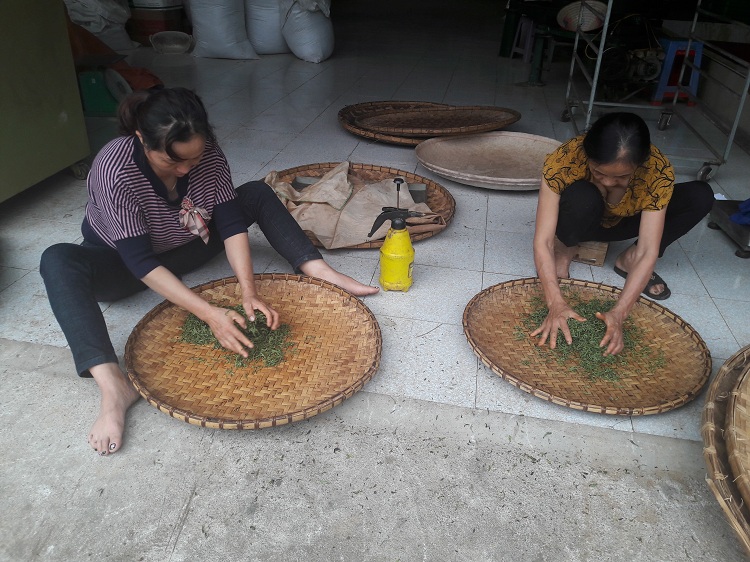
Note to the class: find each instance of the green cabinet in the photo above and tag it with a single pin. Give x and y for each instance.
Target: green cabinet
(42, 128)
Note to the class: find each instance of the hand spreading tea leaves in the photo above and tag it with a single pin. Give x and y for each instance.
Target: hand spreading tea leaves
(269, 346)
(584, 356)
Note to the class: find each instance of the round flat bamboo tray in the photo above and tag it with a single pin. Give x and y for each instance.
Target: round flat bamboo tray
(497, 160)
(493, 324)
(437, 122)
(737, 433)
(439, 199)
(720, 477)
(337, 350)
(348, 117)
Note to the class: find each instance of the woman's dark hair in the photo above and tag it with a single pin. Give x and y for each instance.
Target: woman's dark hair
(163, 117)
(618, 137)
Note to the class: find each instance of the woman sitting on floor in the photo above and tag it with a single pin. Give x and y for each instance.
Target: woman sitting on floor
(161, 204)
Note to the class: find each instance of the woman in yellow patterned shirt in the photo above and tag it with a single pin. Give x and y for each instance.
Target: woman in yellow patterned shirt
(610, 184)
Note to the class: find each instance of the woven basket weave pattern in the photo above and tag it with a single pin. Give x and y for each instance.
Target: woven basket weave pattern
(737, 434)
(338, 347)
(491, 323)
(432, 122)
(348, 117)
(714, 419)
(439, 199)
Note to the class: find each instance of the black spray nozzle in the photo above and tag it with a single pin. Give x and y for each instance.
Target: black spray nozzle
(396, 216)
(398, 182)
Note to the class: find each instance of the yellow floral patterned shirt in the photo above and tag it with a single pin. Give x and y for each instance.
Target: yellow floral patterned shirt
(650, 187)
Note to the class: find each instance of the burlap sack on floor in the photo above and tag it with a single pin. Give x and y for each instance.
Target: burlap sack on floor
(340, 209)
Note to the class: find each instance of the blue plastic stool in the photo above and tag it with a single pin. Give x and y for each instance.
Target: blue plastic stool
(675, 48)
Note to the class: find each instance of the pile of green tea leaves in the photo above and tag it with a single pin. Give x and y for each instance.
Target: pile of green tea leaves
(270, 347)
(584, 356)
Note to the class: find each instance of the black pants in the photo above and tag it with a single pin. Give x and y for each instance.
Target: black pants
(582, 207)
(79, 276)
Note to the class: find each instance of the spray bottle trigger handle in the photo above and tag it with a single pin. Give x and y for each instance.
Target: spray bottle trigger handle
(378, 223)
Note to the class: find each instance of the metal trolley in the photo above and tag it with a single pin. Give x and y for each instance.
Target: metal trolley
(597, 44)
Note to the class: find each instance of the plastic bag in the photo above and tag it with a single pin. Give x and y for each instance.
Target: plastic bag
(105, 19)
(742, 216)
(96, 15)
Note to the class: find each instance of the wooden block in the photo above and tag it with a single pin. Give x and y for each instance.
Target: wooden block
(592, 253)
(418, 192)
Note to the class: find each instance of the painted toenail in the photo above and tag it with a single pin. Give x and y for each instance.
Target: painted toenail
(112, 446)
(103, 453)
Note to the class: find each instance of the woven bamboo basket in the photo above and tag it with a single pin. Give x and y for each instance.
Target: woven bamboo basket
(493, 324)
(439, 199)
(495, 160)
(348, 117)
(737, 434)
(337, 350)
(720, 477)
(439, 121)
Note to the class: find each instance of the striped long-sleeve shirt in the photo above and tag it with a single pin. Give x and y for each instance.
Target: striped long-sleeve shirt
(128, 208)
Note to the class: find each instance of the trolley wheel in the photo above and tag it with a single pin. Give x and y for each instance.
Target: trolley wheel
(568, 113)
(80, 170)
(713, 226)
(744, 254)
(705, 173)
(664, 120)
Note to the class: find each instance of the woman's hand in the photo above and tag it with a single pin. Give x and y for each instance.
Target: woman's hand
(613, 338)
(557, 319)
(223, 323)
(253, 303)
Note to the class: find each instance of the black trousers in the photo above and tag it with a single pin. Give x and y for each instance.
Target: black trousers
(77, 277)
(582, 207)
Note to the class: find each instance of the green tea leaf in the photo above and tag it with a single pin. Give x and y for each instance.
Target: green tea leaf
(269, 346)
(585, 350)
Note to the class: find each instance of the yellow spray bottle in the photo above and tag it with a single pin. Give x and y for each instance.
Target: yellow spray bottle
(396, 253)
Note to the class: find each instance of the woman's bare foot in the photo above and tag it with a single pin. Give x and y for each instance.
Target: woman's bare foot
(321, 270)
(117, 396)
(563, 257)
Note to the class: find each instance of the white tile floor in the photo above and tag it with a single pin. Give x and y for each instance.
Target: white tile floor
(278, 112)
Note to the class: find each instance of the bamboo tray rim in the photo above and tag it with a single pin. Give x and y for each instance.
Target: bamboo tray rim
(353, 304)
(463, 120)
(483, 147)
(719, 476)
(348, 114)
(519, 379)
(736, 435)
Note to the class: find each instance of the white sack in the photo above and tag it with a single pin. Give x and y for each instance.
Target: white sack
(263, 24)
(309, 34)
(312, 5)
(219, 29)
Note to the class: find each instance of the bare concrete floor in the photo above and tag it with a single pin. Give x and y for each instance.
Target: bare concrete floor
(377, 478)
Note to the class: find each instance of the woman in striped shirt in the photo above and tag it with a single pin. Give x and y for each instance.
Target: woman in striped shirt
(161, 204)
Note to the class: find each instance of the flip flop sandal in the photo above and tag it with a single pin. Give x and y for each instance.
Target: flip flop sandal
(655, 280)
